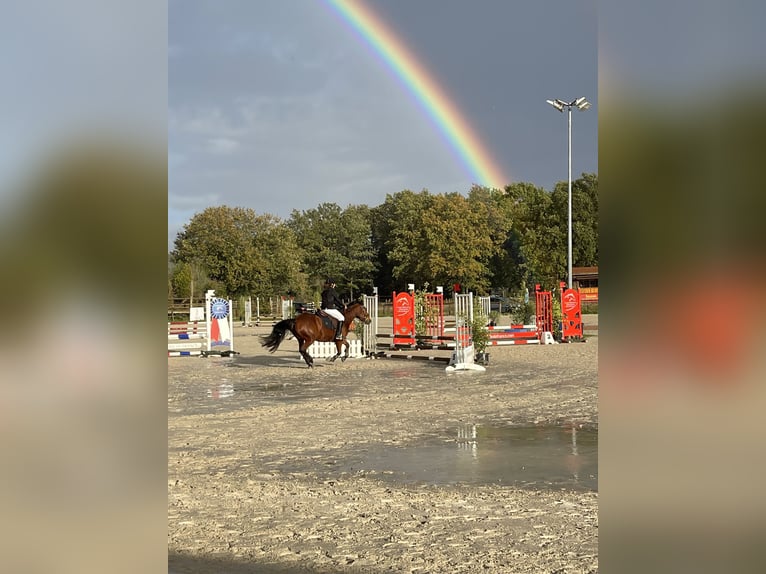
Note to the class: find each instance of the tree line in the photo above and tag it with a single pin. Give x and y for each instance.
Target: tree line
(488, 240)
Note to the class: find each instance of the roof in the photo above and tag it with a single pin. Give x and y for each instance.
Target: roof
(585, 272)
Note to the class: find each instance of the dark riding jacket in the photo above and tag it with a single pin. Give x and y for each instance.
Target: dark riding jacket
(330, 300)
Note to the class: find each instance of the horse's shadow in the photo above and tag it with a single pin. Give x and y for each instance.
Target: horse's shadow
(286, 362)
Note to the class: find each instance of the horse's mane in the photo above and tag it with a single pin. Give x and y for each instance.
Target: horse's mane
(354, 305)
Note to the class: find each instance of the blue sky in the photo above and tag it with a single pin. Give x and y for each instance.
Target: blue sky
(279, 106)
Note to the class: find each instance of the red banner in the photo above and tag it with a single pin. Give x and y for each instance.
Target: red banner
(571, 313)
(404, 319)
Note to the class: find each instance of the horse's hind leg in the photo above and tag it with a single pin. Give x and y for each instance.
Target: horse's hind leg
(305, 354)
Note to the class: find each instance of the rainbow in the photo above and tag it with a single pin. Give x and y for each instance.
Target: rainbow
(431, 97)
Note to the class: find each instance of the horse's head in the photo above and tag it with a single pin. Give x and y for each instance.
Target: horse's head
(359, 312)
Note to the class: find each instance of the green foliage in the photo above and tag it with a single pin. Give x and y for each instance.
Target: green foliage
(188, 280)
(358, 330)
(440, 239)
(423, 314)
(524, 314)
(558, 317)
(535, 248)
(584, 219)
(180, 280)
(335, 243)
(480, 330)
(242, 252)
(504, 239)
(589, 309)
(406, 247)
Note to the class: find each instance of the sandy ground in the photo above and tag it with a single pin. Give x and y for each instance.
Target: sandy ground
(259, 478)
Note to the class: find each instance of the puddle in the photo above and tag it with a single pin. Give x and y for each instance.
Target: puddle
(532, 456)
(234, 395)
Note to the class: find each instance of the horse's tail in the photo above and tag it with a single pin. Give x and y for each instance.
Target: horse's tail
(277, 335)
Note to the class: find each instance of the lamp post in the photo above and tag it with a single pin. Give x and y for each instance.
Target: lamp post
(581, 104)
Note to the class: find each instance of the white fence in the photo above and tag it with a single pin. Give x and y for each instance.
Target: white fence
(209, 326)
(462, 360)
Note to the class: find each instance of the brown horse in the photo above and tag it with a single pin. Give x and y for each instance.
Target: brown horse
(310, 327)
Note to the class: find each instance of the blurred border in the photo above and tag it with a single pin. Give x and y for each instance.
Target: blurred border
(682, 366)
(83, 205)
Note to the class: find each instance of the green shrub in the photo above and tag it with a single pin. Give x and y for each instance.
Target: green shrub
(524, 313)
(480, 331)
(590, 308)
(557, 318)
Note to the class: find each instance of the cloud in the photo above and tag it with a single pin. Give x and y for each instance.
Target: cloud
(223, 146)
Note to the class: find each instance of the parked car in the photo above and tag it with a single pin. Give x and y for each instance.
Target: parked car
(503, 304)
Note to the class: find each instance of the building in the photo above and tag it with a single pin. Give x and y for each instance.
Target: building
(586, 279)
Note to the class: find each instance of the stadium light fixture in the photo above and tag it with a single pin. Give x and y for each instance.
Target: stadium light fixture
(581, 104)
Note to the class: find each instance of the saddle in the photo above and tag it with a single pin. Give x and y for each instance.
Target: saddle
(329, 322)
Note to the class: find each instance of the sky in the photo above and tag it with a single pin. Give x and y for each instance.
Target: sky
(282, 106)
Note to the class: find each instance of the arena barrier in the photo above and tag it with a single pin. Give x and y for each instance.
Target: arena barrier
(370, 331)
(543, 311)
(461, 343)
(571, 311)
(279, 308)
(433, 314)
(462, 359)
(371, 346)
(485, 305)
(444, 342)
(248, 322)
(404, 318)
(385, 355)
(327, 349)
(209, 326)
(514, 335)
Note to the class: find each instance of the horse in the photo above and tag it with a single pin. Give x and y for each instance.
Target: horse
(310, 327)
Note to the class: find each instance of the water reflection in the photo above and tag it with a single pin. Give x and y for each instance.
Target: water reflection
(539, 456)
(529, 454)
(466, 439)
(558, 454)
(222, 391)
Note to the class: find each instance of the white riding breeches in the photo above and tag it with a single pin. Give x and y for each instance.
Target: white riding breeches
(336, 314)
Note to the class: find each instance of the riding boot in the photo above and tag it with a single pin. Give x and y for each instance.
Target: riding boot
(339, 331)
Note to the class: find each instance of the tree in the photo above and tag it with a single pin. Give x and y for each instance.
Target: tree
(490, 204)
(406, 247)
(335, 243)
(397, 240)
(459, 243)
(356, 252)
(247, 254)
(438, 239)
(585, 221)
(282, 260)
(534, 243)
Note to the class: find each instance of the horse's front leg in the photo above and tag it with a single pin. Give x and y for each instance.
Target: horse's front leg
(338, 347)
(348, 348)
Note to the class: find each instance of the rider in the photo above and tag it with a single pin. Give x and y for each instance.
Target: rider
(333, 306)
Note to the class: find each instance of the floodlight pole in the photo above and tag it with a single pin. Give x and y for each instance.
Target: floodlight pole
(582, 104)
(569, 207)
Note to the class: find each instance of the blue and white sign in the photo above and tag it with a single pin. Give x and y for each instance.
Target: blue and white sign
(219, 308)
